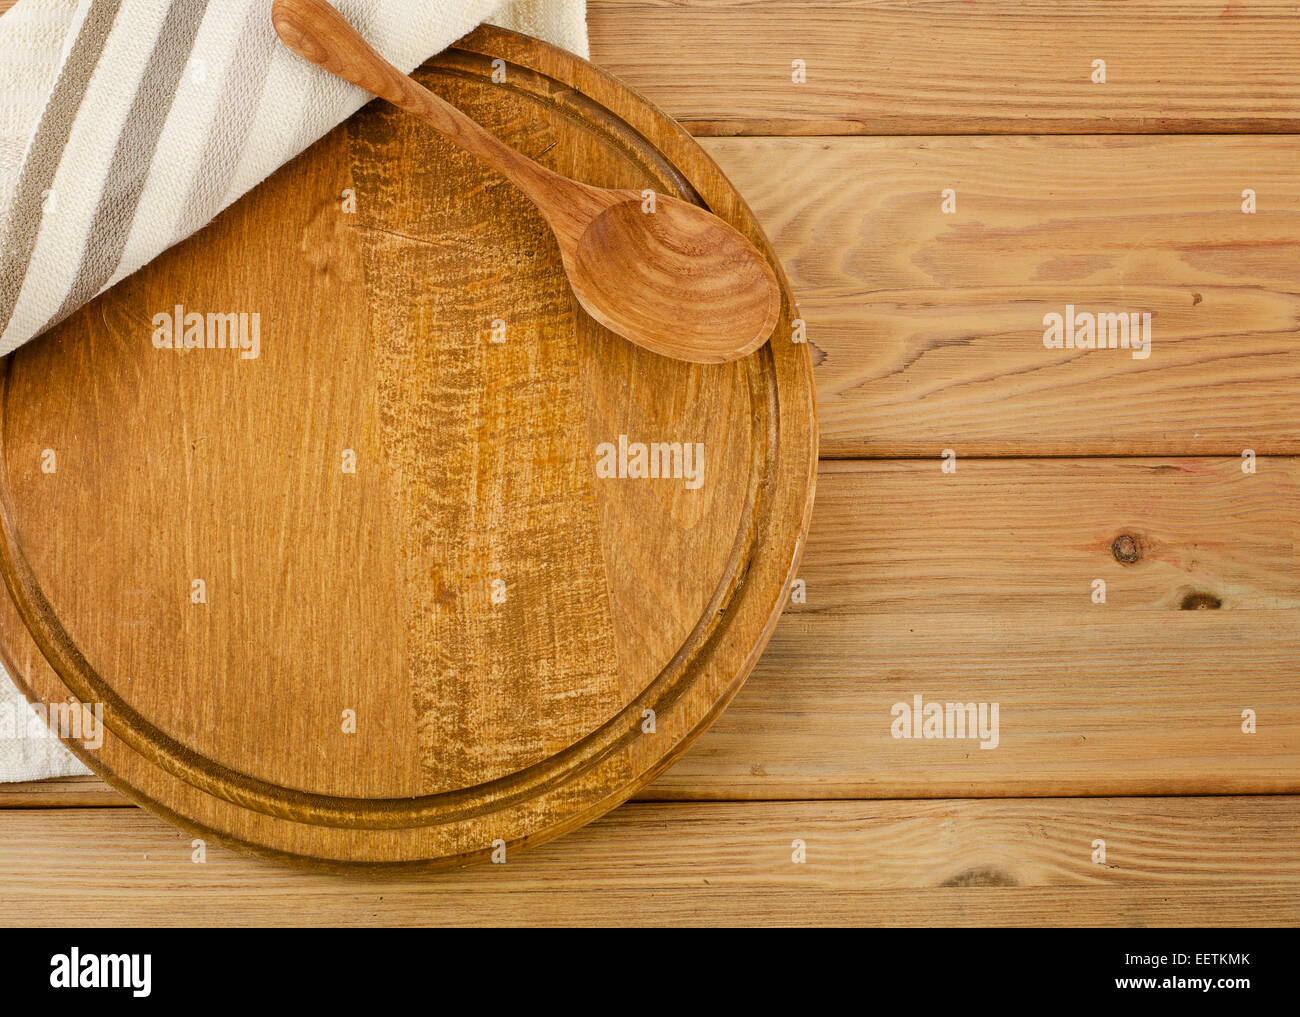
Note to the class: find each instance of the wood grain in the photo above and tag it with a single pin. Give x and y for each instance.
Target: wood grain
(976, 587)
(1190, 861)
(428, 624)
(1008, 538)
(917, 582)
(927, 327)
(61, 793)
(956, 67)
(1087, 706)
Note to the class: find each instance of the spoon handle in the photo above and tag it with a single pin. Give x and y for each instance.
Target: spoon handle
(317, 32)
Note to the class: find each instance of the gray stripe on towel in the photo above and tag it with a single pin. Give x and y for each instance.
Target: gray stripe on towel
(237, 109)
(132, 158)
(46, 152)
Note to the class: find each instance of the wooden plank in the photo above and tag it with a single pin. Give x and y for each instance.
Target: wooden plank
(977, 587)
(1168, 862)
(928, 327)
(60, 793)
(1101, 704)
(956, 67)
(1025, 539)
(1116, 709)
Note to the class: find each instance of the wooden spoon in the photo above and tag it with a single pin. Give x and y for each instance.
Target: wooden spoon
(678, 281)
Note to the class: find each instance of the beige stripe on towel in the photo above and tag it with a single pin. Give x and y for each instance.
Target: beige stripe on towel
(240, 96)
(134, 153)
(46, 151)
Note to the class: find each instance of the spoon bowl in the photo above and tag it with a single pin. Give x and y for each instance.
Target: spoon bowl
(701, 292)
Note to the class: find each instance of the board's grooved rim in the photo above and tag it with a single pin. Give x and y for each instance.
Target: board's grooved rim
(573, 104)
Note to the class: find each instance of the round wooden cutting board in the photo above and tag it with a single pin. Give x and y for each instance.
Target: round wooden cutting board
(383, 584)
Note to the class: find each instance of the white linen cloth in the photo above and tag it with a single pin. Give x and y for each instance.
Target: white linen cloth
(126, 125)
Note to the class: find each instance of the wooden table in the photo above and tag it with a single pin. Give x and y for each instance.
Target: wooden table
(1164, 722)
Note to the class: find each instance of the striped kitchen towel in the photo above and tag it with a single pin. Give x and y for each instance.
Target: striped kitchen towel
(126, 125)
